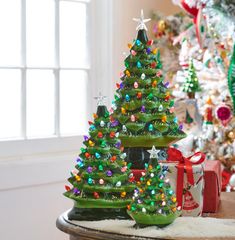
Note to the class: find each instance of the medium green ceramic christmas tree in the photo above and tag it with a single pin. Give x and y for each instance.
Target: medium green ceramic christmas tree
(143, 107)
(102, 183)
(154, 202)
(191, 86)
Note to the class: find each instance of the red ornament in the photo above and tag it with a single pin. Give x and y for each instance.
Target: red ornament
(90, 123)
(153, 65)
(191, 10)
(167, 98)
(139, 95)
(224, 114)
(132, 179)
(96, 195)
(87, 155)
(208, 117)
(113, 158)
(100, 135)
(67, 188)
(111, 118)
(117, 85)
(112, 134)
(150, 42)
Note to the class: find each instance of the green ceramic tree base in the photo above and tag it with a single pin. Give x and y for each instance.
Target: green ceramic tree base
(143, 219)
(100, 203)
(97, 214)
(149, 141)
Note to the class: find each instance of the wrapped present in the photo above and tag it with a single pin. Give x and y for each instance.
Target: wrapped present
(186, 178)
(213, 183)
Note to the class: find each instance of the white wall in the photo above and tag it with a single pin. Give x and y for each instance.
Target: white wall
(31, 196)
(31, 186)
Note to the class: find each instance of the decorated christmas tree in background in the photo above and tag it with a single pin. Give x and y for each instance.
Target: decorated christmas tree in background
(191, 86)
(212, 51)
(143, 109)
(165, 30)
(102, 182)
(154, 202)
(188, 118)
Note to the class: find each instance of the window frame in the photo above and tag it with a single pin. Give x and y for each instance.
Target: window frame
(98, 80)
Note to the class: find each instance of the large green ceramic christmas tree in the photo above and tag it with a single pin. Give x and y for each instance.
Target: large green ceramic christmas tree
(102, 183)
(154, 202)
(143, 108)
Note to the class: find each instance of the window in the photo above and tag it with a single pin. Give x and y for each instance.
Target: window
(44, 68)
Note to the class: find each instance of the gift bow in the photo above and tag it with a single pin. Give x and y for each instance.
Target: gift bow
(184, 163)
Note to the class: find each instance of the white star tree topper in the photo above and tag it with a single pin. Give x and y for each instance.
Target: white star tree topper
(141, 21)
(154, 152)
(100, 99)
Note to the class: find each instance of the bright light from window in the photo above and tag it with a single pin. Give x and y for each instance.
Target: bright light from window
(40, 32)
(10, 32)
(43, 33)
(40, 103)
(73, 89)
(10, 103)
(73, 39)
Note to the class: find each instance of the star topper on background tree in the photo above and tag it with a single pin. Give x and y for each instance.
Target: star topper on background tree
(141, 21)
(100, 99)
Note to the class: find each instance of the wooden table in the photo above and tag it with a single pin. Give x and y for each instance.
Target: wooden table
(226, 210)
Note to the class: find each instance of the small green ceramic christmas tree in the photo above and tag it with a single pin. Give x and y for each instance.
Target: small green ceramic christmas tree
(191, 86)
(154, 202)
(102, 183)
(143, 108)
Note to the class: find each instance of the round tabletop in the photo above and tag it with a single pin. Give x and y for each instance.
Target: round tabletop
(183, 228)
(80, 232)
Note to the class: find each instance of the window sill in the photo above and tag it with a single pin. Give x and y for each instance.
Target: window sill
(43, 146)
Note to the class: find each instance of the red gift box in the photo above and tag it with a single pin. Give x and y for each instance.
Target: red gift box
(212, 188)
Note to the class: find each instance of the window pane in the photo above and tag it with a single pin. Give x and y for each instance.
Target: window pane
(10, 103)
(73, 52)
(73, 102)
(10, 32)
(40, 32)
(40, 103)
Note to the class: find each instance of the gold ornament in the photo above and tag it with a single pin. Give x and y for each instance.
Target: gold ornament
(123, 110)
(155, 50)
(123, 194)
(161, 26)
(78, 178)
(164, 118)
(128, 73)
(174, 209)
(92, 144)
